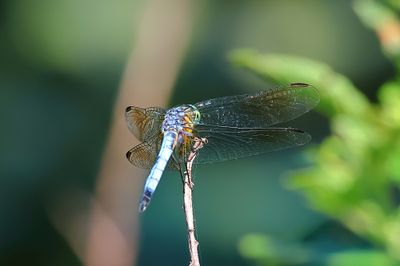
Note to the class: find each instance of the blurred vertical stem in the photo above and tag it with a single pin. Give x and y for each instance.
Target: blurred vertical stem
(149, 77)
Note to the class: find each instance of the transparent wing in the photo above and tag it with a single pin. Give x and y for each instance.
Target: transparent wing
(226, 143)
(260, 110)
(144, 155)
(144, 123)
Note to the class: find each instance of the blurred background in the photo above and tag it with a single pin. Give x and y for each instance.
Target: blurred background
(69, 68)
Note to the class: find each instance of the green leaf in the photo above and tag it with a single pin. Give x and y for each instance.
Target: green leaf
(266, 249)
(360, 257)
(338, 94)
(389, 96)
(384, 21)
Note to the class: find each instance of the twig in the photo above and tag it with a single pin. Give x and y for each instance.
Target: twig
(188, 203)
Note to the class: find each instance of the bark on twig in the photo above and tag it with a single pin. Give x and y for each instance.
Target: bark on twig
(188, 204)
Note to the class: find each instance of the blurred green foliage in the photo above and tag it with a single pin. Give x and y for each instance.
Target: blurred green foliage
(270, 251)
(355, 172)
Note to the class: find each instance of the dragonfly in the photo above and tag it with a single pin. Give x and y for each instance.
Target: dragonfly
(234, 127)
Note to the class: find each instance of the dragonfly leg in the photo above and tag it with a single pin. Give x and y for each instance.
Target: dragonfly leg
(204, 141)
(182, 170)
(199, 143)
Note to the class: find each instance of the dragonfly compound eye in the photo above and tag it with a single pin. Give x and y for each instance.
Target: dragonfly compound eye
(197, 116)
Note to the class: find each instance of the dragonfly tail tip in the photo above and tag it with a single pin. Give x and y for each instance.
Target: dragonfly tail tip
(142, 207)
(145, 201)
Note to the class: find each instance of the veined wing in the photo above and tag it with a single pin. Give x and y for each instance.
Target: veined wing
(144, 123)
(227, 143)
(260, 110)
(144, 155)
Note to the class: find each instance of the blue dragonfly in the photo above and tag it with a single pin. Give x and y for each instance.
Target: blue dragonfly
(234, 127)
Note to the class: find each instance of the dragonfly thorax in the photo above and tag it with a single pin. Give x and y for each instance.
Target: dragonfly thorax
(181, 119)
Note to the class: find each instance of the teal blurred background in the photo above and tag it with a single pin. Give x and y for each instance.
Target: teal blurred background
(61, 66)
